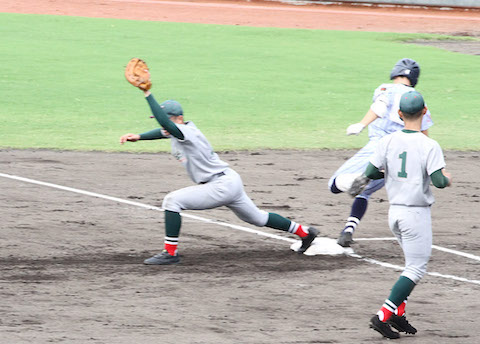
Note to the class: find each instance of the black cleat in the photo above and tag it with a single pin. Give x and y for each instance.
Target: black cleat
(383, 328)
(345, 239)
(401, 324)
(307, 241)
(163, 258)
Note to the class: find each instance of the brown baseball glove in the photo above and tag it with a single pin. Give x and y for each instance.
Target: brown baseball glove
(137, 74)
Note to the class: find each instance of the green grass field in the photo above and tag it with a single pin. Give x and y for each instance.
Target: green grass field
(62, 83)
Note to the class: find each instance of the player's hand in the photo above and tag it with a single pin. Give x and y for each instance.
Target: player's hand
(129, 137)
(355, 129)
(448, 175)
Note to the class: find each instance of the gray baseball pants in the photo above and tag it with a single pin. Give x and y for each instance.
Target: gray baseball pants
(225, 190)
(412, 226)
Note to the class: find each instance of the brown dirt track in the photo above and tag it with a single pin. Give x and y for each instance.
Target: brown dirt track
(71, 264)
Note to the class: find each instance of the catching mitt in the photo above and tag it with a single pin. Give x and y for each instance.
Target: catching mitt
(359, 184)
(137, 74)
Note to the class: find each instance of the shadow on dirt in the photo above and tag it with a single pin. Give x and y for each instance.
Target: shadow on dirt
(239, 262)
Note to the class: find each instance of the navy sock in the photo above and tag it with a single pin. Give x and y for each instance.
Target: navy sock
(359, 207)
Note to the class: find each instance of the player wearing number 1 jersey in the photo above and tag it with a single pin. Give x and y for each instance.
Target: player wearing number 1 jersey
(408, 161)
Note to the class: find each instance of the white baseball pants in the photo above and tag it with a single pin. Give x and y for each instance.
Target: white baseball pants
(412, 226)
(357, 164)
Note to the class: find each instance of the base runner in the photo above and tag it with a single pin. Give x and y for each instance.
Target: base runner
(382, 119)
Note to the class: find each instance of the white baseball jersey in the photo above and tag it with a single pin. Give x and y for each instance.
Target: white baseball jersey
(408, 158)
(196, 154)
(386, 102)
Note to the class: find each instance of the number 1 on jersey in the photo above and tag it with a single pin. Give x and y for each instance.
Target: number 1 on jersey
(403, 173)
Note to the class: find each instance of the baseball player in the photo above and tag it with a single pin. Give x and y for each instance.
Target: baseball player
(408, 161)
(381, 119)
(216, 183)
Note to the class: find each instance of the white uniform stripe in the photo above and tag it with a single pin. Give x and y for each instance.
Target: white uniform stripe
(390, 305)
(293, 227)
(171, 238)
(353, 219)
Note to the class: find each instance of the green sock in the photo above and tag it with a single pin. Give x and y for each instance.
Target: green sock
(401, 290)
(173, 222)
(278, 222)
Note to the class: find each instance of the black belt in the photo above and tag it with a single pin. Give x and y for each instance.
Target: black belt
(213, 177)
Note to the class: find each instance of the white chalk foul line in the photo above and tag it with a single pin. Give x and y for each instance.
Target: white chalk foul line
(245, 229)
(435, 247)
(375, 239)
(459, 253)
(142, 205)
(400, 268)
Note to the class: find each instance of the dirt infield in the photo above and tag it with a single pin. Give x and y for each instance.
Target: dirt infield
(264, 13)
(72, 263)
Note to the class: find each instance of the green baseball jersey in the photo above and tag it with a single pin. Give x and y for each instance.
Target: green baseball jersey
(408, 158)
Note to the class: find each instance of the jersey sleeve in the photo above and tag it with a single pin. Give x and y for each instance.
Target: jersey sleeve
(435, 160)
(162, 117)
(380, 102)
(427, 121)
(154, 134)
(188, 130)
(372, 172)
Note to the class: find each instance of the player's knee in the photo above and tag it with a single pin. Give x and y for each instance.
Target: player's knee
(259, 222)
(343, 182)
(333, 187)
(258, 219)
(170, 203)
(415, 273)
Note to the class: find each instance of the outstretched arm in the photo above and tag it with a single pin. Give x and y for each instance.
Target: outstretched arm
(355, 129)
(369, 117)
(162, 117)
(154, 134)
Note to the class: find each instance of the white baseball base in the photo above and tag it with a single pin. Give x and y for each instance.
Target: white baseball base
(325, 246)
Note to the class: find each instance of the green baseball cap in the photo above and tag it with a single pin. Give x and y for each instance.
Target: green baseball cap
(411, 102)
(172, 108)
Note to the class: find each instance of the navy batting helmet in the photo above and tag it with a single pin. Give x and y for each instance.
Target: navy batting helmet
(408, 68)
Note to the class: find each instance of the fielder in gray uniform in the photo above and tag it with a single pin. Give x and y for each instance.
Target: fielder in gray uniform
(216, 183)
(409, 161)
